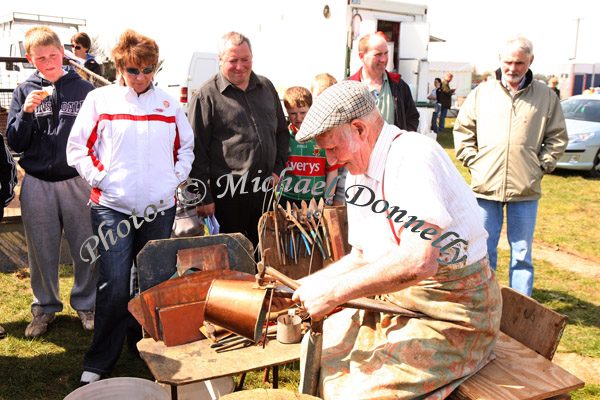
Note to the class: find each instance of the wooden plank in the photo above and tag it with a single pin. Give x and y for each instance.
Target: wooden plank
(532, 324)
(196, 361)
(517, 373)
(267, 394)
(337, 228)
(181, 323)
(205, 258)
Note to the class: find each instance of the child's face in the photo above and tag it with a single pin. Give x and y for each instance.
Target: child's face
(48, 61)
(296, 115)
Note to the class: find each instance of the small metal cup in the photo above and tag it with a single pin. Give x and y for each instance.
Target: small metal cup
(289, 328)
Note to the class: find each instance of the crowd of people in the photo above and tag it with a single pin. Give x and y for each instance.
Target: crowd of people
(94, 159)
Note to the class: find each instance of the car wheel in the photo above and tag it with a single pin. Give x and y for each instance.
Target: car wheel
(595, 171)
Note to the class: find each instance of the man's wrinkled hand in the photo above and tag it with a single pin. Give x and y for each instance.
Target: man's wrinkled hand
(316, 296)
(206, 210)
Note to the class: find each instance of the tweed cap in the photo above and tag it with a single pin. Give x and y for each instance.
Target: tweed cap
(337, 105)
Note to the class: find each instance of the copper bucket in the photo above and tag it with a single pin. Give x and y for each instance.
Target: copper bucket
(237, 306)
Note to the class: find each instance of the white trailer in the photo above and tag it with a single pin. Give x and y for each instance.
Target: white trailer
(574, 78)
(320, 36)
(293, 41)
(12, 33)
(462, 73)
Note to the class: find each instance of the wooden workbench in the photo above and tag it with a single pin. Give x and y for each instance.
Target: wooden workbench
(196, 361)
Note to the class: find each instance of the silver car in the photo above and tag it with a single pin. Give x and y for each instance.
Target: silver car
(582, 115)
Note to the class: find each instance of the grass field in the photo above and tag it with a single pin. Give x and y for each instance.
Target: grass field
(49, 367)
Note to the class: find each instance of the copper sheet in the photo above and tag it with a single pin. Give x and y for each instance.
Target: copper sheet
(183, 289)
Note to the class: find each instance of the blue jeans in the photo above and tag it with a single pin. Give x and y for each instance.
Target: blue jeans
(443, 113)
(120, 242)
(434, 125)
(520, 225)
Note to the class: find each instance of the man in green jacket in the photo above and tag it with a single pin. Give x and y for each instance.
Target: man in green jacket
(509, 133)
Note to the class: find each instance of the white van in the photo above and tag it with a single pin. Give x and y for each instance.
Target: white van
(182, 79)
(12, 33)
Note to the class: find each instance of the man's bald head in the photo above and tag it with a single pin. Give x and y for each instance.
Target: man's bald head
(373, 52)
(370, 40)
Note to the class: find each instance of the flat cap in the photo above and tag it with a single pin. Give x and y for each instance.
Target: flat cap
(337, 105)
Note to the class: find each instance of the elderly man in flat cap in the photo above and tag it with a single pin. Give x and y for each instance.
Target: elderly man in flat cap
(418, 241)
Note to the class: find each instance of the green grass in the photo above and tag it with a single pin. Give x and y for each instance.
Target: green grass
(567, 211)
(567, 293)
(49, 367)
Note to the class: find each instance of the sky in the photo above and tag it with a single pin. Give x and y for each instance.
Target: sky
(474, 30)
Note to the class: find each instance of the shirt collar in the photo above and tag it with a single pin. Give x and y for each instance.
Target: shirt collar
(223, 83)
(521, 84)
(380, 152)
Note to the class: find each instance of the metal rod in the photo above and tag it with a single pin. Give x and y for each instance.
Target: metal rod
(359, 304)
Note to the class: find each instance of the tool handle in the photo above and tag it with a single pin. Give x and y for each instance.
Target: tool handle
(289, 282)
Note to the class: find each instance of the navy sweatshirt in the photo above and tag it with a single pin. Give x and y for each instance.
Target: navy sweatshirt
(42, 135)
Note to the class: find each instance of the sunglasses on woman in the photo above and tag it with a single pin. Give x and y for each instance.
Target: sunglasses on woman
(76, 46)
(136, 71)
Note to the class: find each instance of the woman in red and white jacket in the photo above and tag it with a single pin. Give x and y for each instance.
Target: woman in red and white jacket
(133, 144)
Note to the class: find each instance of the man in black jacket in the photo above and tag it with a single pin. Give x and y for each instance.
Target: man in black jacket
(241, 139)
(53, 195)
(392, 94)
(444, 94)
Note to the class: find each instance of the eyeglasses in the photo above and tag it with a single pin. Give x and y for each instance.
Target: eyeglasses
(136, 71)
(76, 46)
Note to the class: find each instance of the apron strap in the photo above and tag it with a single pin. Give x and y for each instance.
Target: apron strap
(387, 213)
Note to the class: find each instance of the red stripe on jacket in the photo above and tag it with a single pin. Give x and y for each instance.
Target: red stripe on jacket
(130, 117)
(90, 144)
(95, 195)
(176, 145)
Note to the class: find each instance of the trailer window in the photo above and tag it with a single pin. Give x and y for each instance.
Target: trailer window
(23, 54)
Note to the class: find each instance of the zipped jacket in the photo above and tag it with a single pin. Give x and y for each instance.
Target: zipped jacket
(133, 150)
(8, 175)
(406, 113)
(508, 143)
(42, 135)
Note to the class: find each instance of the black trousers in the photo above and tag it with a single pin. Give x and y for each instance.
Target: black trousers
(241, 212)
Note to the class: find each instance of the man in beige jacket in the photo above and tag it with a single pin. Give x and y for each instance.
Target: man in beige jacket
(509, 133)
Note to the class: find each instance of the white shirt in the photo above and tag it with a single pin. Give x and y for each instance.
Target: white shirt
(421, 179)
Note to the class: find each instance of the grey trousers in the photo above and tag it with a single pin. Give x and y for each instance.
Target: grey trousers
(46, 209)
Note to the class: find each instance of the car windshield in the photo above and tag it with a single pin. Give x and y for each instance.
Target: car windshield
(582, 109)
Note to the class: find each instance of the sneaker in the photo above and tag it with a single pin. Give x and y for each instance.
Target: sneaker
(2, 332)
(87, 319)
(88, 377)
(39, 323)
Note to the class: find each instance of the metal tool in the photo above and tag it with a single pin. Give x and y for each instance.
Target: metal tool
(313, 225)
(318, 215)
(290, 217)
(281, 260)
(359, 304)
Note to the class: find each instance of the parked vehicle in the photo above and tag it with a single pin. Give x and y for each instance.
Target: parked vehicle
(335, 25)
(12, 33)
(582, 115)
(181, 78)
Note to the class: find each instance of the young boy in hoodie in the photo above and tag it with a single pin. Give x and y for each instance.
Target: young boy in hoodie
(53, 195)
